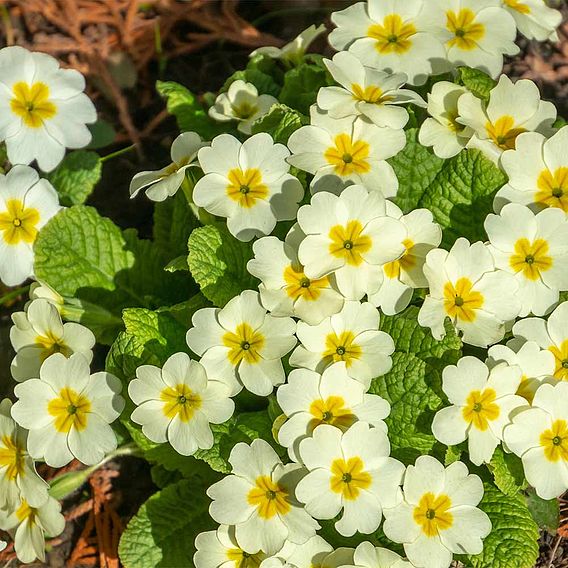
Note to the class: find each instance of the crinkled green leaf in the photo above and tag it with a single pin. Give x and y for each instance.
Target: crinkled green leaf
(545, 512)
(461, 195)
(413, 385)
(280, 123)
(301, 85)
(217, 262)
(478, 82)
(189, 112)
(507, 471)
(513, 541)
(162, 533)
(263, 72)
(76, 176)
(416, 167)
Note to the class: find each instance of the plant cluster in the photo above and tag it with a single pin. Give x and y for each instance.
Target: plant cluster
(346, 344)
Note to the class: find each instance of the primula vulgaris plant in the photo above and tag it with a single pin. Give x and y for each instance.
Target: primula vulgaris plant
(345, 344)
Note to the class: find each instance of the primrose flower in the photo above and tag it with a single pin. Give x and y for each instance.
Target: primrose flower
(344, 151)
(534, 19)
(39, 332)
(241, 103)
(466, 287)
(294, 51)
(513, 108)
(31, 525)
(161, 184)
(18, 476)
(351, 236)
(539, 436)
(68, 411)
(369, 556)
(248, 183)
(537, 365)
(41, 290)
(389, 36)
(241, 344)
(402, 276)
(476, 33)
(551, 334)
(309, 399)
(533, 247)
(43, 107)
(350, 472)
(258, 498)
(220, 549)
(364, 91)
(538, 172)
(482, 402)
(26, 205)
(438, 516)
(442, 131)
(351, 336)
(285, 289)
(178, 402)
(314, 552)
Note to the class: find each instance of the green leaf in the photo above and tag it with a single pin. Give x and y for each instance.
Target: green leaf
(76, 177)
(416, 167)
(189, 112)
(546, 513)
(149, 339)
(476, 81)
(263, 72)
(507, 470)
(280, 123)
(162, 533)
(103, 134)
(173, 222)
(217, 262)
(177, 264)
(301, 85)
(461, 195)
(413, 385)
(513, 541)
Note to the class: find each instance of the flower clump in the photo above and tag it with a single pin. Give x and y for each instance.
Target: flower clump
(376, 345)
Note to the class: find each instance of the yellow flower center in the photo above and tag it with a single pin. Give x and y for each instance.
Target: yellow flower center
(503, 132)
(451, 117)
(349, 477)
(18, 223)
(180, 401)
(52, 344)
(480, 408)
(31, 103)
(24, 511)
(555, 441)
(461, 301)
(269, 498)
(560, 360)
(393, 35)
(244, 110)
(244, 343)
(349, 243)
(332, 411)
(531, 258)
(12, 457)
(70, 410)
(518, 6)
(342, 347)
(348, 156)
(432, 514)
(298, 285)
(246, 187)
(466, 31)
(553, 188)
(404, 263)
(370, 94)
(243, 559)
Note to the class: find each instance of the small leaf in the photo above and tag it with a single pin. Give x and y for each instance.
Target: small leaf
(301, 85)
(476, 81)
(76, 177)
(545, 512)
(280, 123)
(507, 470)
